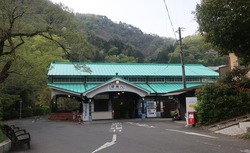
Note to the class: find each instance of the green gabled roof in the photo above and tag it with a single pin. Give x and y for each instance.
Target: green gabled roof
(127, 69)
(153, 88)
(166, 88)
(73, 87)
(145, 86)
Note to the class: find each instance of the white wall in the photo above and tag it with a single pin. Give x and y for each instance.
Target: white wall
(101, 115)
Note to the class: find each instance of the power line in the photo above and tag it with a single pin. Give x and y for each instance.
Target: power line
(170, 18)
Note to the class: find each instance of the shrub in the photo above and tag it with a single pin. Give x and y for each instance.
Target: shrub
(221, 101)
(27, 112)
(246, 135)
(40, 110)
(2, 136)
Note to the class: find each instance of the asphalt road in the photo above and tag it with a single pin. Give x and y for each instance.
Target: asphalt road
(125, 136)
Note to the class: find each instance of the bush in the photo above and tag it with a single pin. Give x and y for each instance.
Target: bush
(40, 110)
(246, 135)
(27, 112)
(2, 136)
(221, 101)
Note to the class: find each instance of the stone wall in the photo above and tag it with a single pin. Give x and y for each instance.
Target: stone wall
(5, 146)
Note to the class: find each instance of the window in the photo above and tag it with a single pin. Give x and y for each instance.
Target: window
(156, 80)
(138, 80)
(209, 80)
(101, 105)
(97, 80)
(174, 79)
(193, 79)
(68, 80)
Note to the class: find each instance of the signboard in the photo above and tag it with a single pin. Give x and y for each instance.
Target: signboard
(191, 102)
(85, 111)
(116, 87)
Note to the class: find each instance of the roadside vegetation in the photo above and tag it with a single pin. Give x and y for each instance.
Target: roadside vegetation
(246, 135)
(227, 98)
(224, 24)
(2, 136)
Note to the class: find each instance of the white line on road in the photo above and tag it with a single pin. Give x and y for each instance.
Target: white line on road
(108, 144)
(192, 133)
(245, 151)
(141, 125)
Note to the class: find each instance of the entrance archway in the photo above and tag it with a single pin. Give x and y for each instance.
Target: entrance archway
(125, 105)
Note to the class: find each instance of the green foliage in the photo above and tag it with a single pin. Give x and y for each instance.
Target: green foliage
(29, 83)
(40, 110)
(2, 136)
(225, 23)
(222, 100)
(27, 112)
(246, 135)
(67, 104)
(196, 50)
(120, 59)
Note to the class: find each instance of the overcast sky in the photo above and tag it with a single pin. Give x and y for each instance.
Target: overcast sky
(148, 15)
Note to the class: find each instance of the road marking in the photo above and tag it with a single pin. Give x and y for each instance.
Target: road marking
(141, 125)
(245, 151)
(116, 127)
(192, 133)
(107, 144)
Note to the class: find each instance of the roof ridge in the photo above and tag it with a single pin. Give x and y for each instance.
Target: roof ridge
(103, 63)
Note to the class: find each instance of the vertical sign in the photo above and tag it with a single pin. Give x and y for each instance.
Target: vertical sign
(190, 106)
(85, 111)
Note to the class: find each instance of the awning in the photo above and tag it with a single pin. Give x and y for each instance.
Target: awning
(174, 93)
(163, 89)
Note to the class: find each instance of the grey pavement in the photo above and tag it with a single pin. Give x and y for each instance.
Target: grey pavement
(148, 136)
(48, 136)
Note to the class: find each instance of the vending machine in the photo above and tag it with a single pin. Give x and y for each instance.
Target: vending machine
(151, 109)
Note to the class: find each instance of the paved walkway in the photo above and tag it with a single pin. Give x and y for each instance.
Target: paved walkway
(45, 132)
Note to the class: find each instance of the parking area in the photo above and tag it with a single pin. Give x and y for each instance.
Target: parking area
(63, 136)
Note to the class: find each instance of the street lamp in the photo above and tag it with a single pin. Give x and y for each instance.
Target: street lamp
(20, 109)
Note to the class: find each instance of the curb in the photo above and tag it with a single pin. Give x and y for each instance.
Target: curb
(5, 146)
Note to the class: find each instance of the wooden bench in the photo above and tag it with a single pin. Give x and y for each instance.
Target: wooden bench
(16, 135)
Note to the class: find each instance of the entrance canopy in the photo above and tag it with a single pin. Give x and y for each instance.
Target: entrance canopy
(116, 84)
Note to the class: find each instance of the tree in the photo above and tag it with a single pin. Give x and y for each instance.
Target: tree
(121, 58)
(29, 82)
(21, 19)
(225, 23)
(196, 50)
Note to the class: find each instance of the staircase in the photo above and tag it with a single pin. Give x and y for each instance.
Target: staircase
(228, 123)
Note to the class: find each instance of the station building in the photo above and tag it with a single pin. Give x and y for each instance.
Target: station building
(122, 90)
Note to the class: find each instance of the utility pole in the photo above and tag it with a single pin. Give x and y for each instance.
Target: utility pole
(182, 60)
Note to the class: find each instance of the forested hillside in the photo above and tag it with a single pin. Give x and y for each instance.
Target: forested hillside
(113, 40)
